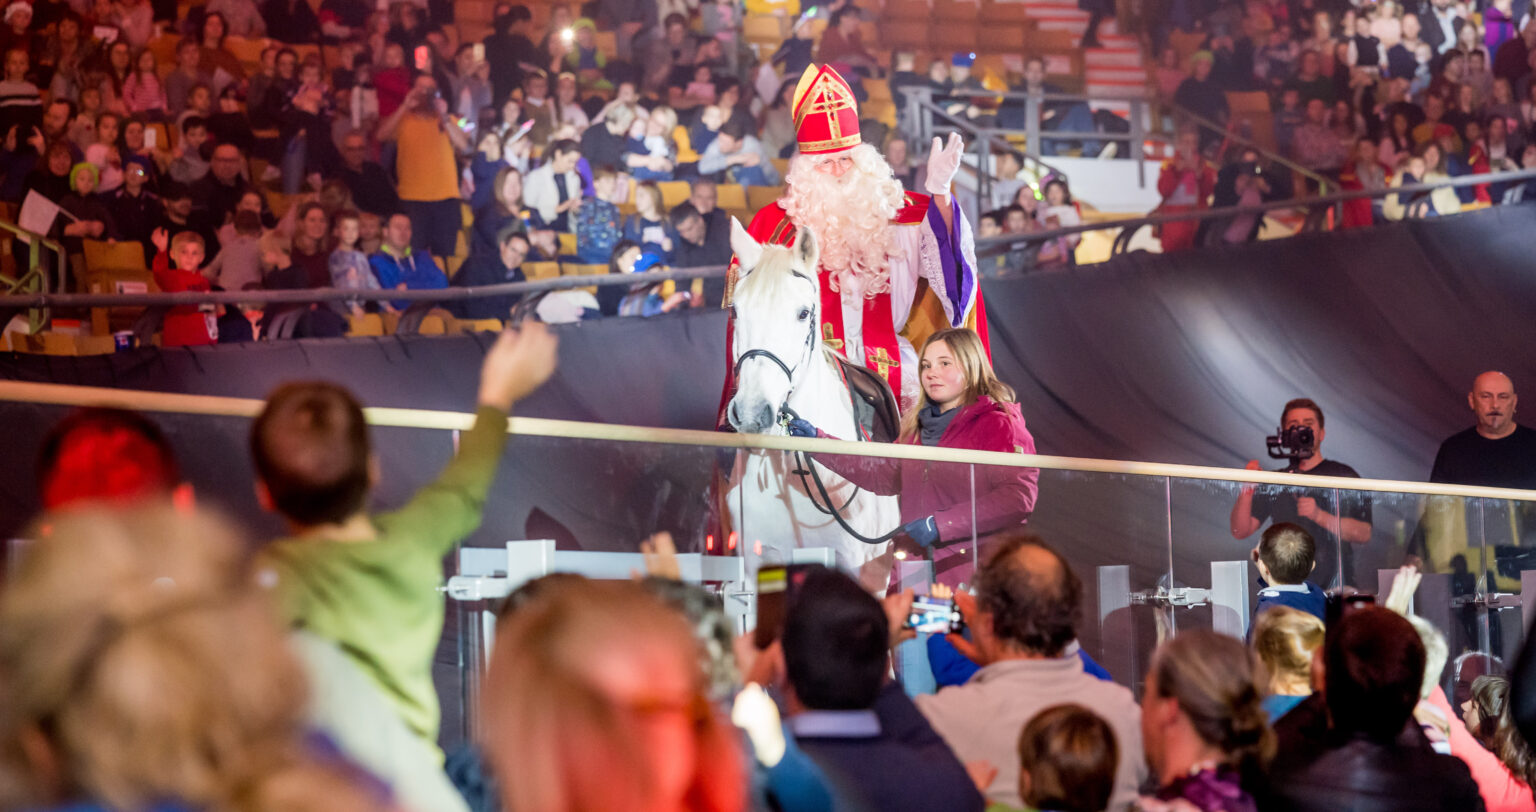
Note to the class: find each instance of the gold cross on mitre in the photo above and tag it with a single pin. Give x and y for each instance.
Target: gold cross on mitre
(824, 93)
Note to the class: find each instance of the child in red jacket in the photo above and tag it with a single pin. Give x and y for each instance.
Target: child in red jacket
(185, 325)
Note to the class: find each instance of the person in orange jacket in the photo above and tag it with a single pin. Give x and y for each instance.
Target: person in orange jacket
(1186, 183)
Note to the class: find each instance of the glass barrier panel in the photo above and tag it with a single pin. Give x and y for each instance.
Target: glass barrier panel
(585, 506)
(1112, 530)
(831, 509)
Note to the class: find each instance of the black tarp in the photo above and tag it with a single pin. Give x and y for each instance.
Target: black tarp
(1183, 358)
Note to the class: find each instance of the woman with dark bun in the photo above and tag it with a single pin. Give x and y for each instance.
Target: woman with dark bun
(1203, 724)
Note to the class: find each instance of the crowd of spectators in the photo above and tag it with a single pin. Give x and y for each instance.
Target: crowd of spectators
(149, 656)
(1368, 96)
(141, 116)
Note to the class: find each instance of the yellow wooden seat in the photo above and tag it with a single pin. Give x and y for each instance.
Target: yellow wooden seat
(541, 270)
(165, 137)
(280, 203)
(760, 196)
(731, 196)
(480, 325)
(685, 151)
(164, 48)
(118, 256)
(578, 269)
(248, 51)
(45, 343)
(764, 29)
(608, 44)
(674, 192)
(368, 324)
(567, 243)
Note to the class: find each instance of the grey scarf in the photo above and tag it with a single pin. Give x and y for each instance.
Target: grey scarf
(932, 423)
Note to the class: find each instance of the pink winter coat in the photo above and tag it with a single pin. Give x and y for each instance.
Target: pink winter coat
(1005, 495)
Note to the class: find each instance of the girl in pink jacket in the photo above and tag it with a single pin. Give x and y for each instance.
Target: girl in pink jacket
(963, 405)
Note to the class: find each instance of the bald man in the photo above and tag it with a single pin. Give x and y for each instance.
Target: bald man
(1496, 452)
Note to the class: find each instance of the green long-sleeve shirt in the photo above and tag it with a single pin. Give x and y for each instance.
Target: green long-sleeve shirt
(378, 600)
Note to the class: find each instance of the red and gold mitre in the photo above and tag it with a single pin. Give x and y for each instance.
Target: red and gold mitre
(826, 114)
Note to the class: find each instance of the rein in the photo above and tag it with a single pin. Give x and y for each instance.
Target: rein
(804, 463)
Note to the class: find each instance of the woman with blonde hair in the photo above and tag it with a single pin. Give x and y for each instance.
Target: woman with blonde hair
(1285, 639)
(596, 700)
(1202, 725)
(142, 665)
(962, 405)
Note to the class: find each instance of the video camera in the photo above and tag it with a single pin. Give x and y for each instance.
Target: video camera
(1295, 444)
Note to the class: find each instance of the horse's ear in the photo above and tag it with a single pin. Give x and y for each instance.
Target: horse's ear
(805, 249)
(748, 251)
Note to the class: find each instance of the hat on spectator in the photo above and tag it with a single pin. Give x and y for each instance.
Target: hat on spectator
(826, 113)
(963, 59)
(16, 8)
(584, 22)
(141, 161)
(646, 262)
(1202, 56)
(82, 168)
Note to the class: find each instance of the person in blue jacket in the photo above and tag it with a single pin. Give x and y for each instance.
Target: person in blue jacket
(1286, 555)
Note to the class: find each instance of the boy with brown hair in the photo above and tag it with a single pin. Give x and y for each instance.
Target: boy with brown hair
(368, 582)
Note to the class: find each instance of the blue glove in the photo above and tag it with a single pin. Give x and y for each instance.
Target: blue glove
(801, 428)
(924, 532)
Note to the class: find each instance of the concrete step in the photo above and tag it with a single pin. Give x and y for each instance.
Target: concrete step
(1116, 75)
(1102, 58)
(1093, 88)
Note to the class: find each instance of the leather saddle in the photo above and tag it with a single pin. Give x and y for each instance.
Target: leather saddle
(874, 406)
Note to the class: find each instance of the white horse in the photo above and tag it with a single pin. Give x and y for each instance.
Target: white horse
(780, 361)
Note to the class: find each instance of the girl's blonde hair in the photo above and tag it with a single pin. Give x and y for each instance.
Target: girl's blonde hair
(965, 345)
(138, 645)
(653, 192)
(669, 119)
(1285, 639)
(569, 745)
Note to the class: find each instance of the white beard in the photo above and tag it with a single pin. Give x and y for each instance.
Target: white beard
(849, 216)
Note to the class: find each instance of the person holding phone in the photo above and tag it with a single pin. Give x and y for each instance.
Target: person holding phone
(426, 161)
(962, 405)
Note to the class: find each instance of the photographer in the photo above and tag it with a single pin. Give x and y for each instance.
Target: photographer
(426, 162)
(1245, 181)
(1313, 509)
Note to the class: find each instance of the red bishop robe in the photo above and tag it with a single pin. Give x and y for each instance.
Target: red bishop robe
(881, 351)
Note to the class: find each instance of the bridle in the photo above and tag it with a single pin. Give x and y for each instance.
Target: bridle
(786, 414)
(804, 464)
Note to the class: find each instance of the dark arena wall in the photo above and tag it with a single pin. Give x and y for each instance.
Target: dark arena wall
(1184, 358)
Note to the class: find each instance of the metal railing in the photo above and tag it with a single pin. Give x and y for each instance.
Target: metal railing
(1229, 134)
(1318, 209)
(15, 298)
(35, 279)
(923, 112)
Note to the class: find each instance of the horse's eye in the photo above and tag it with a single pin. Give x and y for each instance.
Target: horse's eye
(805, 314)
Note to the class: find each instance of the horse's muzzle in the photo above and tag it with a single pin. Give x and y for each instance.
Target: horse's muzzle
(755, 419)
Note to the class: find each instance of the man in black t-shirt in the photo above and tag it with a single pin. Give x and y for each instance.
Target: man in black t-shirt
(1495, 453)
(1329, 516)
